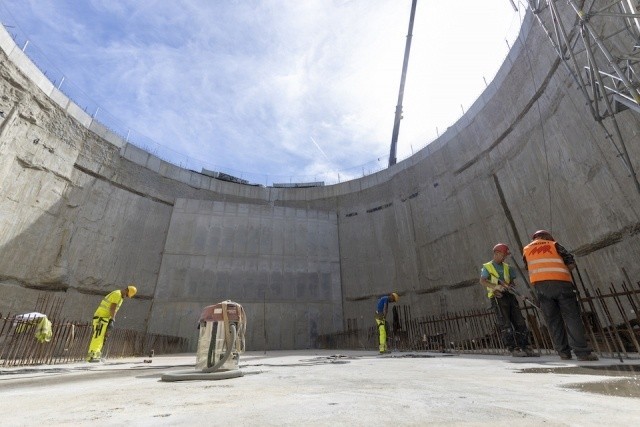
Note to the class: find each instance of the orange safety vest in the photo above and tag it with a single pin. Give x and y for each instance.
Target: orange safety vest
(544, 262)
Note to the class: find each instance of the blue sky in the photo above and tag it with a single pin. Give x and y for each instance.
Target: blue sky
(273, 90)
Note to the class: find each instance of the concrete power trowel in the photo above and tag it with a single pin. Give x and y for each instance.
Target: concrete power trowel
(222, 328)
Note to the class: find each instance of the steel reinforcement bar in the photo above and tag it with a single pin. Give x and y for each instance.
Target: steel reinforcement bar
(69, 342)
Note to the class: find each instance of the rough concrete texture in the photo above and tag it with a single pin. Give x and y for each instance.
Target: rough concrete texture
(282, 263)
(83, 212)
(325, 388)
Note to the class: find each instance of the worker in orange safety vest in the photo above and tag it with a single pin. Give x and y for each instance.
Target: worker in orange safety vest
(550, 265)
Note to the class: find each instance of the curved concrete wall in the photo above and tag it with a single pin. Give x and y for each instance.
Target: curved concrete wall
(83, 212)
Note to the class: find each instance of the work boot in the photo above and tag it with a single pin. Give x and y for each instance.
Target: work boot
(565, 356)
(588, 357)
(518, 353)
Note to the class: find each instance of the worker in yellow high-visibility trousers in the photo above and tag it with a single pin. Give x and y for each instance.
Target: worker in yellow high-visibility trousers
(381, 315)
(103, 320)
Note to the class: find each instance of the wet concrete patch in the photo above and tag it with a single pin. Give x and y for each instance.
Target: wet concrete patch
(604, 370)
(623, 387)
(33, 371)
(421, 355)
(417, 355)
(295, 365)
(337, 359)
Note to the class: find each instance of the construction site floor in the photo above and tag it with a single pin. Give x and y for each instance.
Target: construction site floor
(355, 388)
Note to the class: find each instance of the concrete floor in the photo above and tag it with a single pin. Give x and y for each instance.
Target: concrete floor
(355, 388)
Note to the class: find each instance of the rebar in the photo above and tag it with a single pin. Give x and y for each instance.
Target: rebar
(476, 331)
(70, 340)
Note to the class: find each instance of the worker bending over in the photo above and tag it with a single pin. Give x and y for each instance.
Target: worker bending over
(103, 320)
(381, 315)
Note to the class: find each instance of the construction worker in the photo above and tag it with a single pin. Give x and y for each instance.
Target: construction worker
(498, 277)
(550, 265)
(103, 319)
(381, 318)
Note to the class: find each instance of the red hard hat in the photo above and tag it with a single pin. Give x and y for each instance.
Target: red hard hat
(541, 233)
(501, 247)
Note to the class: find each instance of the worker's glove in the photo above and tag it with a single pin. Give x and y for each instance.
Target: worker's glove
(498, 290)
(507, 285)
(111, 324)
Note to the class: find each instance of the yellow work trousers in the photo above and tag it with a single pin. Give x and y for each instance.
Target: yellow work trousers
(382, 332)
(100, 329)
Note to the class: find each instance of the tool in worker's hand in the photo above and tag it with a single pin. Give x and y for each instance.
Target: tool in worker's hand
(512, 290)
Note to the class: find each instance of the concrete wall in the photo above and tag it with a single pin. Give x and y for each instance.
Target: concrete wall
(82, 212)
(280, 263)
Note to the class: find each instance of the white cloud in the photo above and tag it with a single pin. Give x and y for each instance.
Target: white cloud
(249, 85)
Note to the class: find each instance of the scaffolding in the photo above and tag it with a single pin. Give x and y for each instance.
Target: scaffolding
(598, 43)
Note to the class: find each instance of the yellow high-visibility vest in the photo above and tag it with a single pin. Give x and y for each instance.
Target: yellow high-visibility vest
(493, 275)
(104, 309)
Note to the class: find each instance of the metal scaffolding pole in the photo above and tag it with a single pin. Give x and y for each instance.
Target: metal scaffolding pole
(612, 70)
